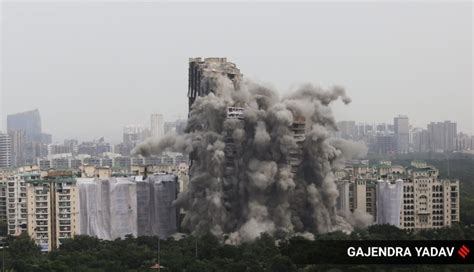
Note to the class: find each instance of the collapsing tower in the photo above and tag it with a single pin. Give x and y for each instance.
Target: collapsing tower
(203, 76)
(299, 134)
(259, 163)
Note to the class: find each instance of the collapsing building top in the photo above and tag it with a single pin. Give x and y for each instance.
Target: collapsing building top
(204, 73)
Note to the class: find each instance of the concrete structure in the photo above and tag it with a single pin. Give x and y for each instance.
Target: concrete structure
(116, 207)
(29, 122)
(347, 129)
(176, 127)
(426, 201)
(3, 200)
(204, 75)
(52, 208)
(17, 209)
(389, 199)
(92, 171)
(442, 136)
(362, 197)
(401, 126)
(421, 141)
(5, 151)
(298, 128)
(342, 203)
(17, 138)
(429, 202)
(157, 128)
(384, 144)
(134, 134)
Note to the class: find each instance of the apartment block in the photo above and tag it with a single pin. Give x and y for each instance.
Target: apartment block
(429, 202)
(17, 204)
(425, 202)
(52, 208)
(5, 151)
(362, 196)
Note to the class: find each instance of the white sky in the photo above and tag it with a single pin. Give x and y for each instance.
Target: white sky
(93, 67)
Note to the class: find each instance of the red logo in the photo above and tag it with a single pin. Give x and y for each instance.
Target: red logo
(463, 251)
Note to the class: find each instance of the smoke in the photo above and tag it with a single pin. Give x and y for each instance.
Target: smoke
(270, 169)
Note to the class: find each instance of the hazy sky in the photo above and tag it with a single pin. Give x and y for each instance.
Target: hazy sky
(93, 67)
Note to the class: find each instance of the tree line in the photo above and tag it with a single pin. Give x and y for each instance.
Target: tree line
(207, 253)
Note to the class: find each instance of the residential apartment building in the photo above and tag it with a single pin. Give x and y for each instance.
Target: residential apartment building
(362, 196)
(3, 200)
(426, 201)
(17, 203)
(52, 208)
(429, 202)
(5, 151)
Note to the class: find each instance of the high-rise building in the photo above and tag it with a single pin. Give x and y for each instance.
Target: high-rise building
(17, 138)
(176, 127)
(401, 127)
(421, 141)
(442, 136)
(134, 134)
(5, 151)
(204, 76)
(429, 202)
(389, 195)
(29, 122)
(3, 200)
(383, 144)
(54, 149)
(52, 208)
(347, 129)
(17, 211)
(73, 145)
(157, 128)
(362, 196)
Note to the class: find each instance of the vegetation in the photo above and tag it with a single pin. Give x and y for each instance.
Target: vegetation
(84, 253)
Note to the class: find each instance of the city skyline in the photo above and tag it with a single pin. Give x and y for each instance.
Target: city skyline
(145, 124)
(119, 71)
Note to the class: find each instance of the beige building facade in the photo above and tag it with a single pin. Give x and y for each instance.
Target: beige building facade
(52, 210)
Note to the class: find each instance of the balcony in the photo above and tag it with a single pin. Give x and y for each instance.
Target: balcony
(65, 222)
(65, 235)
(65, 229)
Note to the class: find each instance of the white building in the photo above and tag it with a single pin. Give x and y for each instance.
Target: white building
(157, 126)
(389, 198)
(5, 151)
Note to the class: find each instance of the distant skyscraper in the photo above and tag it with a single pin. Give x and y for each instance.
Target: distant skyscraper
(157, 126)
(17, 138)
(29, 122)
(176, 127)
(443, 136)
(421, 140)
(401, 127)
(347, 129)
(5, 151)
(134, 134)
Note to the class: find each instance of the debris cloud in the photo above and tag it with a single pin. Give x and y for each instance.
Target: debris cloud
(261, 163)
